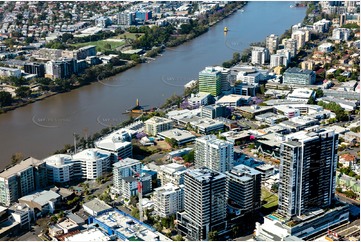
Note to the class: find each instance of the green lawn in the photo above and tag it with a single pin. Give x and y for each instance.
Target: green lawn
(270, 198)
(100, 44)
(127, 35)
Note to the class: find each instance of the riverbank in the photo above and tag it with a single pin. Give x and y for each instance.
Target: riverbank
(103, 70)
(43, 127)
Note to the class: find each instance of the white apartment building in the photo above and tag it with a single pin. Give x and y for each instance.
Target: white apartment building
(213, 153)
(341, 34)
(94, 162)
(300, 37)
(260, 55)
(168, 199)
(291, 46)
(171, 173)
(125, 169)
(118, 143)
(62, 168)
(155, 125)
(272, 43)
(281, 58)
(22, 179)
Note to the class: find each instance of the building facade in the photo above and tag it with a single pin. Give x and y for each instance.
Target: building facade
(22, 179)
(213, 153)
(210, 81)
(298, 76)
(168, 200)
(272, 42)
(243, 189)
(94, 162)
(307, 171)
(35, 68)
(260, 55)
(155, 125)
(204, 204)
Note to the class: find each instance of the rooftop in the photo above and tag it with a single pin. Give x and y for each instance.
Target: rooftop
(126, 162)
(93, 234)
(157, 120)
(127, 226)
(301, 93)
(97, 205)
(40, 198)
(22, 166)
(177, 134)
(243, 172)
(232, 98)
(91, 154)
(114, 141)
(298, 71)
(205, 174)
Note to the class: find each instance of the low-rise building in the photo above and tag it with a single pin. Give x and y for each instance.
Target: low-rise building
(288, 111)
(298, 76)
(181, 136)
(270, 118)
(254, 110)
(213, 111)
(96, 207)
(42, 202)
(92, 234)
(233, 100)
(207, 126)
(301, 95)
(6, 72)
(325, 47)
(266, 170)
(124, 227)
(199, 99)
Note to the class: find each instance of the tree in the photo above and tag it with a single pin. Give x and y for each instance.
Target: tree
(135, 58)
(15, 158)
(319, 93)
(213, 235)
(189, 157)
(5, 99)
(66, 36)
(311, 100)
(23, 92)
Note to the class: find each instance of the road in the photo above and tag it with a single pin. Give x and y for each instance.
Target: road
(348, 200)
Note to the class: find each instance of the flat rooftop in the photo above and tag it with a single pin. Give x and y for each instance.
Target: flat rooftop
(22, 166)
(97, 205)
(205, 174)
(40, 198)
(232, 98)
(127, 225)
(93, 234)
(177, 134)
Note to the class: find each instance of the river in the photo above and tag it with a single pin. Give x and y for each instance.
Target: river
(40, 128)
